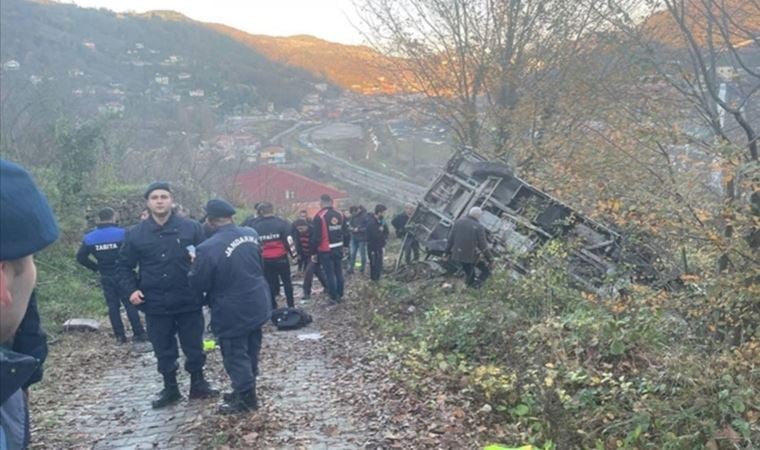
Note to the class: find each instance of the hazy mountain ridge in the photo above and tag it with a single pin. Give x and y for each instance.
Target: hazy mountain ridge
(66, 49)
(354, 67)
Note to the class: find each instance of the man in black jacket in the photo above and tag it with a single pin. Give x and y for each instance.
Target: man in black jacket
(467, 245)
(302, 238)
(377, 236)
(229, 270)
(104, 243)
(302, 231)
(163, 246)
(411, 246)
(358, 226)
(328, 241)
(28, 226)
(275, 239)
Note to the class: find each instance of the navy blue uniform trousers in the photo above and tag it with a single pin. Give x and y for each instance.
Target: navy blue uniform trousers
(333, 272)
(240, 355)
(275, 271)
(163, 330)
(114, 299)
(375, 263)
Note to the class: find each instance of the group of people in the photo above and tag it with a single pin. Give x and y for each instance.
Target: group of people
(169, 267)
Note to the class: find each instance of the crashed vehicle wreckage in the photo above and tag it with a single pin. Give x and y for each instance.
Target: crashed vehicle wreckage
(520, 218)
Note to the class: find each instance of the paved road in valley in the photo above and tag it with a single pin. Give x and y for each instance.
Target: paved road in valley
(378, 183)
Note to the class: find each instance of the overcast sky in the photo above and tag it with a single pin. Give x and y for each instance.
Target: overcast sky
(327, 19)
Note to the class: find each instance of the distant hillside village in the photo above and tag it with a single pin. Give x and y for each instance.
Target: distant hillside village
(206, 97)
(167, 85)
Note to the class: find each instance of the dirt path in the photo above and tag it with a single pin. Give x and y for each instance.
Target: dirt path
(326, 386)
(97, 395)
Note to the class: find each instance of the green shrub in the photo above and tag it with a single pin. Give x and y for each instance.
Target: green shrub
(564, 366)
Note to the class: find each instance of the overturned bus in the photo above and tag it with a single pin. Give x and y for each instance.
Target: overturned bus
(520, 218)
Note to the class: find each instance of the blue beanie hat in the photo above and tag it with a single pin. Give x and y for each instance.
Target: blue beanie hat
(163, 185)
(219, 208)
(27, 224)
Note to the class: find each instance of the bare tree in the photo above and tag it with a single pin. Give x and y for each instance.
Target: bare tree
(491, 69)
(703, 49)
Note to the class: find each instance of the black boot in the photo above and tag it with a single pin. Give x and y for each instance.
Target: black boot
(169, 394)
(121, 339)
(199, 387)
(250, 400)
(239, 403)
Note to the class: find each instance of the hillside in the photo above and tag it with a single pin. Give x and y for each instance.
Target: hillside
(354, 67)
(91, 58)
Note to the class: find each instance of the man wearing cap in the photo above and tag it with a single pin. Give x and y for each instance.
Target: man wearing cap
(467, 244)
(229, 270)
(328, 241)
(28, 226)
(163, 246)
(104, 243)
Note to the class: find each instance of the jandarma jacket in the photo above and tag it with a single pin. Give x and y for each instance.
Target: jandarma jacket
(229, 269)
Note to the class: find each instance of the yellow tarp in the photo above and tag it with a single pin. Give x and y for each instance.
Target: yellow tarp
(501, 447)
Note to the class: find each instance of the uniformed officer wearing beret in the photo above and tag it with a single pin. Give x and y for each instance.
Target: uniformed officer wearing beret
(28, 226)
(163, 246)
(229, 269)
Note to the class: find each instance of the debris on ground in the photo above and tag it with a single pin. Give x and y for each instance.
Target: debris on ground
(81, 325)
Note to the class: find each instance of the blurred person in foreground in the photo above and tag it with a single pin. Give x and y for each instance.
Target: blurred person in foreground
(28, 226)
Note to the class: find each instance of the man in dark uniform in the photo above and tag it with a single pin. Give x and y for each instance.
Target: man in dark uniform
(358, 226)
(467, 245)
(275, 247)
(377, 236)
(411, 247)
(163, 246)
(28, 226)
(303, 231)
(229, 269)
(302, 235)
(328, 241)
(104, 243)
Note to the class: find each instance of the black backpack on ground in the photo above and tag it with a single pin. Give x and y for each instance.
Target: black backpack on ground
(290, 318)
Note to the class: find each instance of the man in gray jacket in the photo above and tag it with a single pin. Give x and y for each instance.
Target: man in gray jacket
(467, 245)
